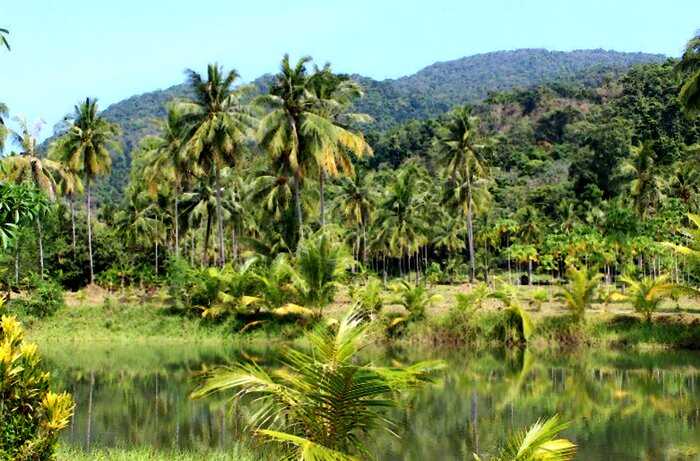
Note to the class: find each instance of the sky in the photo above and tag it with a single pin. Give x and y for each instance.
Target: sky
(65, 50)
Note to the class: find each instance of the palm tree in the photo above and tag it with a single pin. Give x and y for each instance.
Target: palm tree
(326, 401)
(646, 294)
(321, 263)
(85, 148)
(690, 66)
(538, 443)
(30, 166)
(289, 99)
(529, 232)
(215, 127)
(166, 160)
(401, 216)
(646, 186)
(355, 203)
(199, 205)
(457, 145)
(579, 295)
(3, 38)
(3, 128)
(328, 136)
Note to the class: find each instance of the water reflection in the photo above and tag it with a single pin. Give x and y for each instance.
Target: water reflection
(624, 405)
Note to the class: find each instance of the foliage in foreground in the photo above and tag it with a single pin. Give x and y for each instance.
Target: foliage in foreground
(31, 416)
(539, 442)
(323, 404)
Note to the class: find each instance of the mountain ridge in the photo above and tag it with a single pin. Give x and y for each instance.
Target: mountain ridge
(427, 93)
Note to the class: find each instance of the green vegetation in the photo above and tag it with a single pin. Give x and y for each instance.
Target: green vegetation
(585, 177)
(323, 403)
(31, 416)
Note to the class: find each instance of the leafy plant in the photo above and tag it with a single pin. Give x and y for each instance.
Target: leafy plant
(415, 299)
(320, 263)
(646, 294)
(44, 299)
(539, 442)
(323, 403)
(31, 416)
(368, 299)
(581, 291)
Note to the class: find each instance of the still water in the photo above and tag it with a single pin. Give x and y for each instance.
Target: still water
(622, 405)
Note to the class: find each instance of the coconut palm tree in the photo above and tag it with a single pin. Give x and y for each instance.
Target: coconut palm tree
(539, 442)
(216, 124)
(457, 145)
(30, 166)
(3, 38)
(168, 160)
(579, 294)
(85, 148)
(4, 111)
(355, 204)
(326, 401)
(329, 137)
(290, 100)
(646, 187)
(646, 294)
(199, 205)
(689, 65)
(401, 217)
(320, 263)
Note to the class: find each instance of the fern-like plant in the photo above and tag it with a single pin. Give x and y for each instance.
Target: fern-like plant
(540, 442)
(581, 291)
(646, 294)
(323, 404)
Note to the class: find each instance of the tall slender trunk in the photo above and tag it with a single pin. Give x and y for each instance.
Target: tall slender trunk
(219, 217)
(40, 236)
(89, 226)
(470, 229)
(72, 221)
(156, 248)
(322, 192)
(297, 204)
(529, 271)
(176, 221)
(207, 234)
(16, 261)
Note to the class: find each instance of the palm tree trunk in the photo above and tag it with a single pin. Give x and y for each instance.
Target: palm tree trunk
(40, 237)
(529, 272)
(89, 226)
(321, 183)
(470, 230)
(207, 233)
(219, 218)
(72, 221)
(176, 222)
(156, 242)
(297, 204)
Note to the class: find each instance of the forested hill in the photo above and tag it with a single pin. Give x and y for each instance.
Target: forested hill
(427, 93)
(440, 86)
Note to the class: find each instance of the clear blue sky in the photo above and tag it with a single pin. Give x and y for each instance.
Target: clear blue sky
(64, 50)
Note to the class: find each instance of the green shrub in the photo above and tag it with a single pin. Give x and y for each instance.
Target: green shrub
(31, 416)
(368, 300)
(44, 299)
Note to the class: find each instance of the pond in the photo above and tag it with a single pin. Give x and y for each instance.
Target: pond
(622, 405)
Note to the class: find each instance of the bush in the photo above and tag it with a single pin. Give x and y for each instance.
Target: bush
(31, 416)
(45, 298)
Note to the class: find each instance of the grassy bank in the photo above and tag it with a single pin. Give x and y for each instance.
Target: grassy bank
(103, 318)
(144, 454)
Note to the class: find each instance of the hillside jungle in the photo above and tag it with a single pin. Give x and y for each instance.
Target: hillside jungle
(561, 215)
